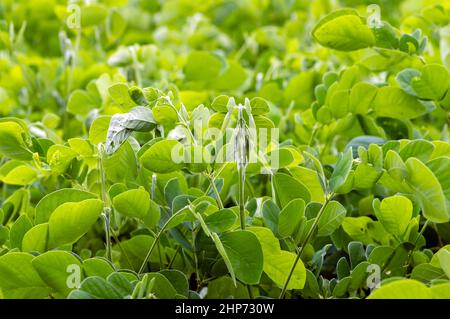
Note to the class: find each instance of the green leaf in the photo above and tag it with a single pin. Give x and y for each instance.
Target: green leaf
(221, 249)
(341, 171)
(343, 30)
(421, 149)
(356, 253)
(394, 213)
(339, 103)
(51, 201)
(93, 14)
(331, 219)
(342, 268)
(427, 273)
(134, 250)
(271, 212)
(202, 66)
(116, 25)
(99, 288)
(444, 261)
(221, 220)
(259, 106)
(59, 157)
(311, 179)
(356, 228)
(342, 287)
(162, 288)
(441, 291)
(220, 103)
(70, 221)
(81, 146)
(427, 190)
(441, 170)
(385, 36)
(358, 276)
(402, 289)
(232, 78)
(405, 77)
(4, 234)
(288, 188)
(133, 203)
(99, 129)
(36, 239)
(120, 281)
(123, 157)
(97, 267)
(245, 254)
(165, 115)
(277, 262)
(163, 157)
(396, 103)
(361, 97)
(153, 215)
(300, 89)
(224, 287)
(53, 268)
(435, 259)
(82, 102)
(19, 175)
(18, 230)
(19, 279)
(119, 93)
(288, 157)
(262, 121)
(366, 175)
(430, 83)
(13, 137)
(290, 217)
(178, 280)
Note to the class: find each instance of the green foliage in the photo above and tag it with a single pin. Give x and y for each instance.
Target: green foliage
(343, 30)
(224, 149)
(70, 221)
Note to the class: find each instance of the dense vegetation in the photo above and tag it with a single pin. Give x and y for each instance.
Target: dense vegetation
(131, 162)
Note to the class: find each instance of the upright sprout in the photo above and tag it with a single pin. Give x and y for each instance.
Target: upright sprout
(242, 150)
(106, 202)
(242, 155)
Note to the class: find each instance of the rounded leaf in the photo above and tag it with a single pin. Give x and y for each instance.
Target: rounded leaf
(70, 221)
(132, 203)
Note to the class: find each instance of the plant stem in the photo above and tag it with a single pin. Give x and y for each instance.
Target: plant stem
(155, 241)
(422, 230)
(194, 251)
(106, 205)
(152, 247)
(241, 184)
(116, 238)
(173, 258)
(250, 292)
(106, 216)
(425, 225)
(302, 247)
(216, 192)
